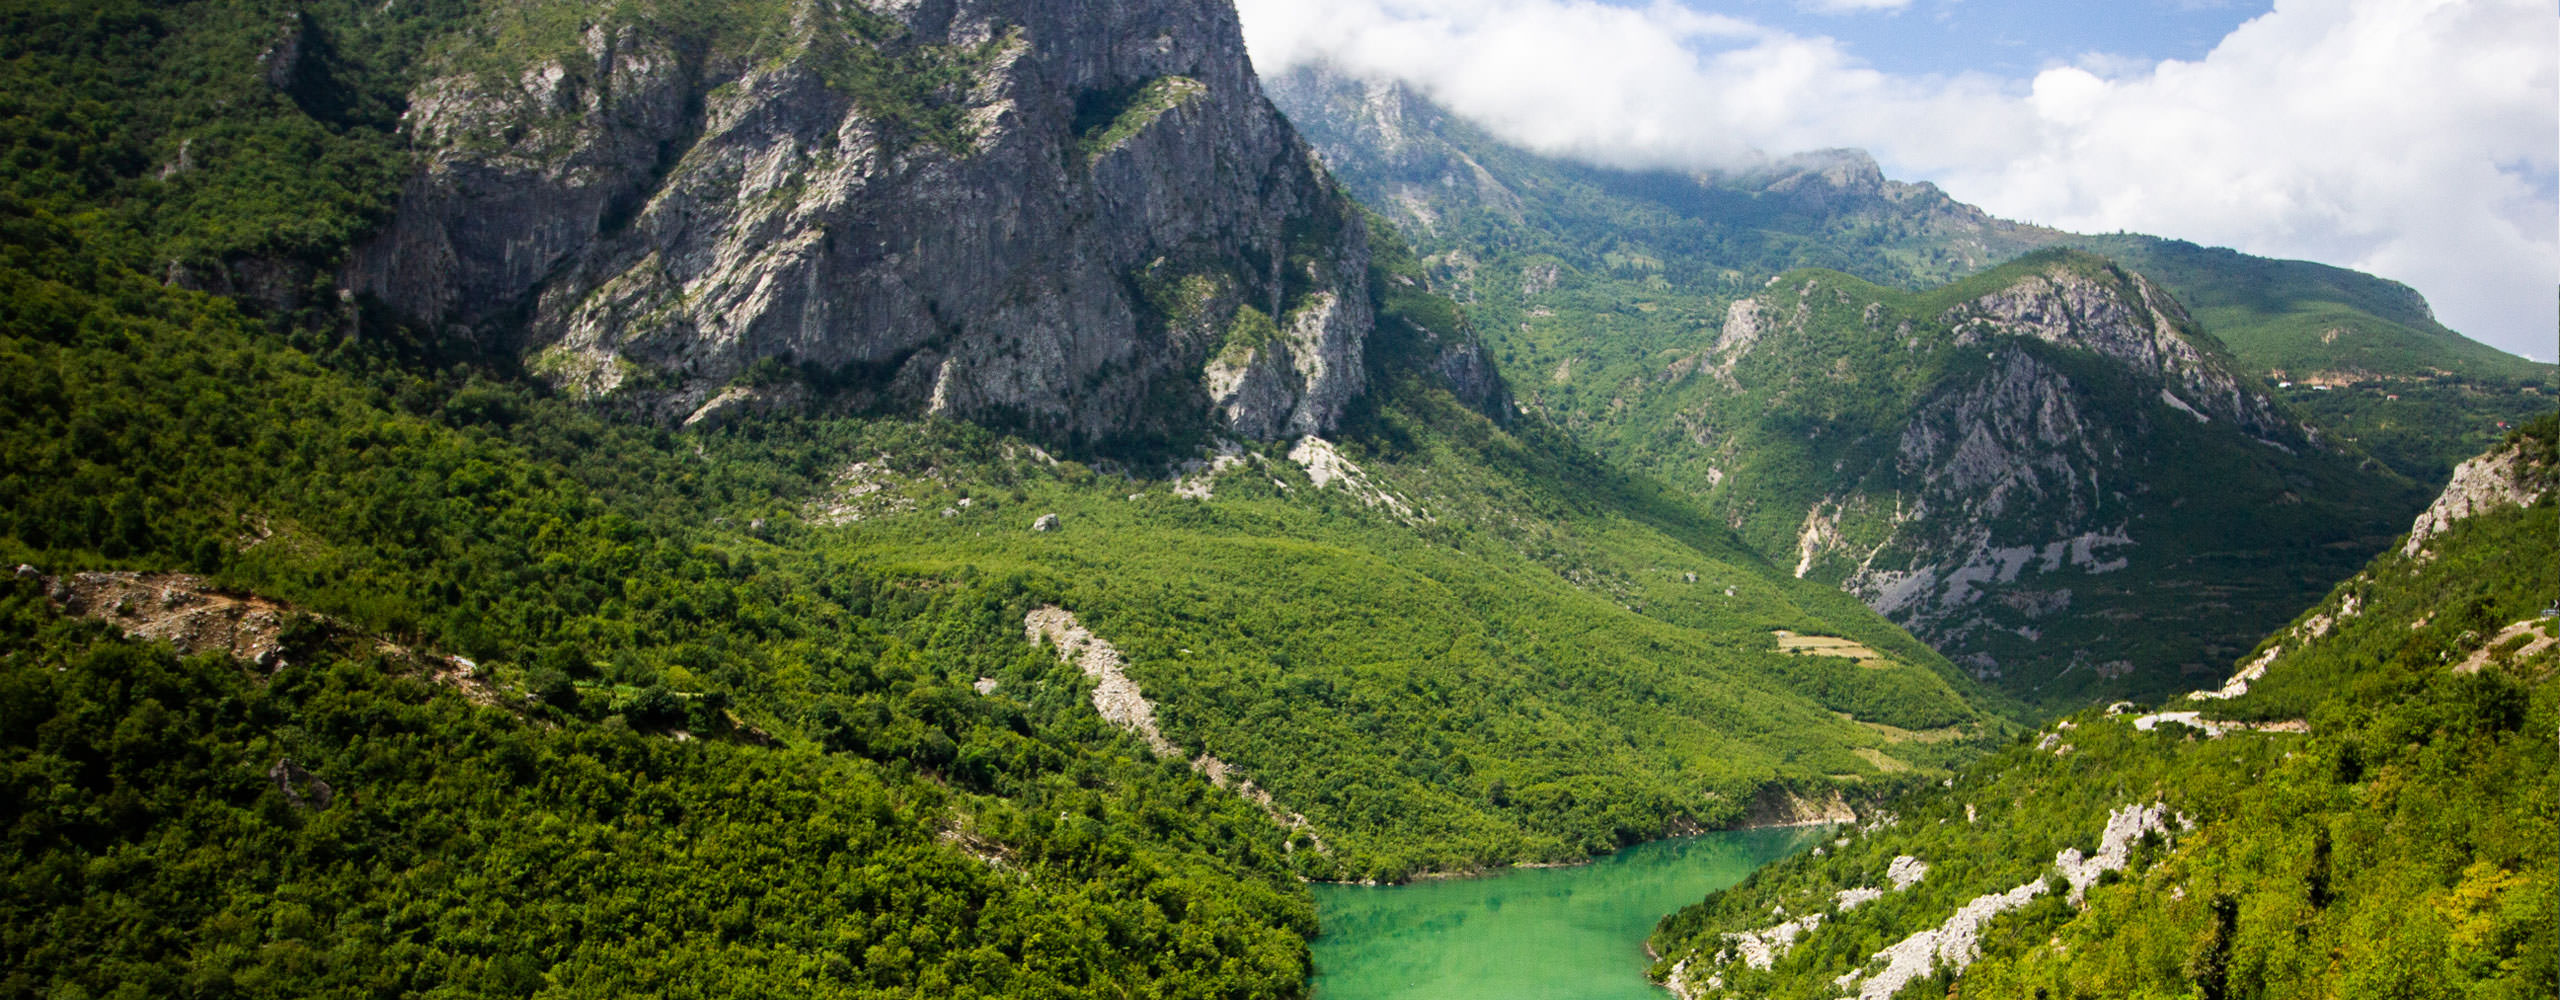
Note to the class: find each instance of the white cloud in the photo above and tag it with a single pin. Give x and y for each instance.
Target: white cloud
(1853, 6)
(2411, 138)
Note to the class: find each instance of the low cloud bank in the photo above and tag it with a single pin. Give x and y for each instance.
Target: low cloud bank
(2414, 139)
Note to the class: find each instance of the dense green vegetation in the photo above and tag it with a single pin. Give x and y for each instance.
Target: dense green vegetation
(1812, 417)
(2404, 846)
(1604, 294)
(1528, 655)
(476, 852)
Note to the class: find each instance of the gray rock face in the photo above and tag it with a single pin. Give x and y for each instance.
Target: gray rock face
(2133, 323)
(2501, 478)
(1393, 139)
(1063, 233)
(2032, 490)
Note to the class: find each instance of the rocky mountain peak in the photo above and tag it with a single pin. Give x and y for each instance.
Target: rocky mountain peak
(2083, 302)
(1083, 220)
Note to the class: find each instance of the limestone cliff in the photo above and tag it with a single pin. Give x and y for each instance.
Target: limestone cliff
(1082, 219)
(2505, 477)
(2021, 467)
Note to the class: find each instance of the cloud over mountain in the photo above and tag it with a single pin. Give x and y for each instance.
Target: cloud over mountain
(2411, 138)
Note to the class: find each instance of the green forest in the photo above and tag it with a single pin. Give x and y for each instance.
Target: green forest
(568, 702)
(2392, 834)
(749, 710)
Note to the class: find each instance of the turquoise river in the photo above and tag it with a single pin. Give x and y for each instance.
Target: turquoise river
(1529, 934)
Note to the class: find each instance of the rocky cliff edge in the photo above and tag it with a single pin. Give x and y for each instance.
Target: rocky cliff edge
(1078, 218)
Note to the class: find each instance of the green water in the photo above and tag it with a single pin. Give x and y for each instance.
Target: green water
(1537, 934)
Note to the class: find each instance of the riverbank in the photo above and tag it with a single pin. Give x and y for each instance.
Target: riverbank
(1575, 930)
(1774, 807)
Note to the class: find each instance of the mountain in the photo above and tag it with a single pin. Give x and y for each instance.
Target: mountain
(2362, 810)
(2353, 353)
(2030, 464)
(991, 212)
(1462, 195)
(692, 497)
(2028, 469)
(2366, 357)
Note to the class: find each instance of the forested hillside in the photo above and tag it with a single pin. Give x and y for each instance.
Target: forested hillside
(1609, 298)
(2031, 469)
(610, 703)
(2366, 809)
(1503, 226)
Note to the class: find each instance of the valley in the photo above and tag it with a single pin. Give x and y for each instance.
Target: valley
(2018, 443)
(794, 497)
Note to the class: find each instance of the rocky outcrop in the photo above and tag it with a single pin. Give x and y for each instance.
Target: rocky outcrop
(2122, 316)
(1763, 948)
(1995, 504)
(1046, 215)
(2013, 448)
(1115, 697)
(1957, 941)
(1904, 872)
(2500, 478)
(195, 619)
(181, 610)
(1954, 943)
(1777, 805)
(1120, 702)
(300, 788)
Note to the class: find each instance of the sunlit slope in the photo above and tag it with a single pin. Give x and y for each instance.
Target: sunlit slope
(1541, 658)
(2365, 809)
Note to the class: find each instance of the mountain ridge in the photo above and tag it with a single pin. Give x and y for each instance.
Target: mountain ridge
(1625, 305)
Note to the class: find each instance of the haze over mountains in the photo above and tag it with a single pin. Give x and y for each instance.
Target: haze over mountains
(2109, 455)
(2409, 139)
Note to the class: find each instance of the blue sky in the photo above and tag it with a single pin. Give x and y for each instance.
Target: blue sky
(2414, 139)
(2013, 38)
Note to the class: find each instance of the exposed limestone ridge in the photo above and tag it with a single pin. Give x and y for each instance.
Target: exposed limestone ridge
(1904, 872)
(1115, 697)
(1326, 466)
(2125, 826)
(1957, 941)
(2121, 315)
(1120, 702)
(1763, 948)
(1056, 239)
(2239, 683)
(2501, 478)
